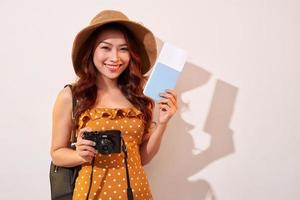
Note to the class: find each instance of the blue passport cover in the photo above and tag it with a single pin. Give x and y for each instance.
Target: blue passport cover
(162, 77)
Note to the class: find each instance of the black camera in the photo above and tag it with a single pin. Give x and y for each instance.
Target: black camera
(107, 142)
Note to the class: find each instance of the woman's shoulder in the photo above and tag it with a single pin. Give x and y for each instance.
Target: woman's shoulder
(64, 97)
(65, 94)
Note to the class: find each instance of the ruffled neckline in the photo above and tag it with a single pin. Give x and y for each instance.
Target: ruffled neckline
(111, 113)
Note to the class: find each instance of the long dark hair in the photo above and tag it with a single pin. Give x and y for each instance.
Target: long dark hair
(130, 82)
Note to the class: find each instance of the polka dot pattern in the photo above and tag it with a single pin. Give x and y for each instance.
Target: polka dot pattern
(109, 174)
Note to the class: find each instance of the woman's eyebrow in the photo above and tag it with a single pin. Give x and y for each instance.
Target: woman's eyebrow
(125, 44)
(105, 42)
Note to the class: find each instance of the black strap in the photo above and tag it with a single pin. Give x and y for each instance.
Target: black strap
(73, 138)
(129, 190)
(91, 179)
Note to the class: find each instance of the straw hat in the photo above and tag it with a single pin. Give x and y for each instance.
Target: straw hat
(144, 37)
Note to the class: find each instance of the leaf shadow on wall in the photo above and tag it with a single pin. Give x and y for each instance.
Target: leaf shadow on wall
(175, 162)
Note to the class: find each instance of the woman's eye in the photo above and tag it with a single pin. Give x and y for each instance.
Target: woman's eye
(124, 49)
(105, 47)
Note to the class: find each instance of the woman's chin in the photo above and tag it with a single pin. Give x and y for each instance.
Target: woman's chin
(111, 76)
(111, 73)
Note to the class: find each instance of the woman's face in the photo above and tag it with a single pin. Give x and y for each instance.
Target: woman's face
(111, 55)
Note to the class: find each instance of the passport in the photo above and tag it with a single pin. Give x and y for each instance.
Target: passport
(166, 71)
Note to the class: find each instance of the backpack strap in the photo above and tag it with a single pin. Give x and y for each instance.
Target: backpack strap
(73, 138)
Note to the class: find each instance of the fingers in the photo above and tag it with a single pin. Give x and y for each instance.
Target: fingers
(167, 107)
(167, 102)
(169, 97)
(86, 152)
(164, 107)
(85, 129)
(83, 142)
(170, 93)
(85, 148)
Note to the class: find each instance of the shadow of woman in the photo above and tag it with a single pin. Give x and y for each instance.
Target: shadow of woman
(169, 171)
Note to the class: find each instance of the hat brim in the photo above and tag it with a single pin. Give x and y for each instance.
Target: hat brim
(144, 37)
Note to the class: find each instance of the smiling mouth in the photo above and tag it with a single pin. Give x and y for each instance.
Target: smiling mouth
(112, 67)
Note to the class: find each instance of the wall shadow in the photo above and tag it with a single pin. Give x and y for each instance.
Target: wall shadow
(175, 162)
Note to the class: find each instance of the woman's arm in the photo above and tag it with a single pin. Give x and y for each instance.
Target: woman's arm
(151, 141)
(150, 147)
(61, 154)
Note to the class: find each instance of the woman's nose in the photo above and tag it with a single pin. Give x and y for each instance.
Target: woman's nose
(114, 56)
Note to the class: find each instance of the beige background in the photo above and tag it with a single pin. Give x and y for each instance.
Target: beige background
(236, 135)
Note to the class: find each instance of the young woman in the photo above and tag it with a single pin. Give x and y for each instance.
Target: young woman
(110, 57)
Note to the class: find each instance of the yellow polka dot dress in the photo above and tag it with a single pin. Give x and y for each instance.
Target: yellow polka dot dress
(109, 180)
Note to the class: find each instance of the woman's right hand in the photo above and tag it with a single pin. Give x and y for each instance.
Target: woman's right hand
(85, 148)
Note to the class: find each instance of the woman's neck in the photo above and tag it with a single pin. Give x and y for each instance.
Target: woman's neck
(106, 84)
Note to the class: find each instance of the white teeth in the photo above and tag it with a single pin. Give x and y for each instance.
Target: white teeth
(112, 66)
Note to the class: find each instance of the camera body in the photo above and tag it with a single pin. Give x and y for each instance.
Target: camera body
(107, 142)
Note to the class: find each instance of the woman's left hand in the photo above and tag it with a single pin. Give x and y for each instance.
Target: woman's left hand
(167, 106)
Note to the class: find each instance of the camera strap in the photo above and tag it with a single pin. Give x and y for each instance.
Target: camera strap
(129, 190)
(91, 179)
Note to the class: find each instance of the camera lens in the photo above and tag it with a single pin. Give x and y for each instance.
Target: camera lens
(106, 146)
